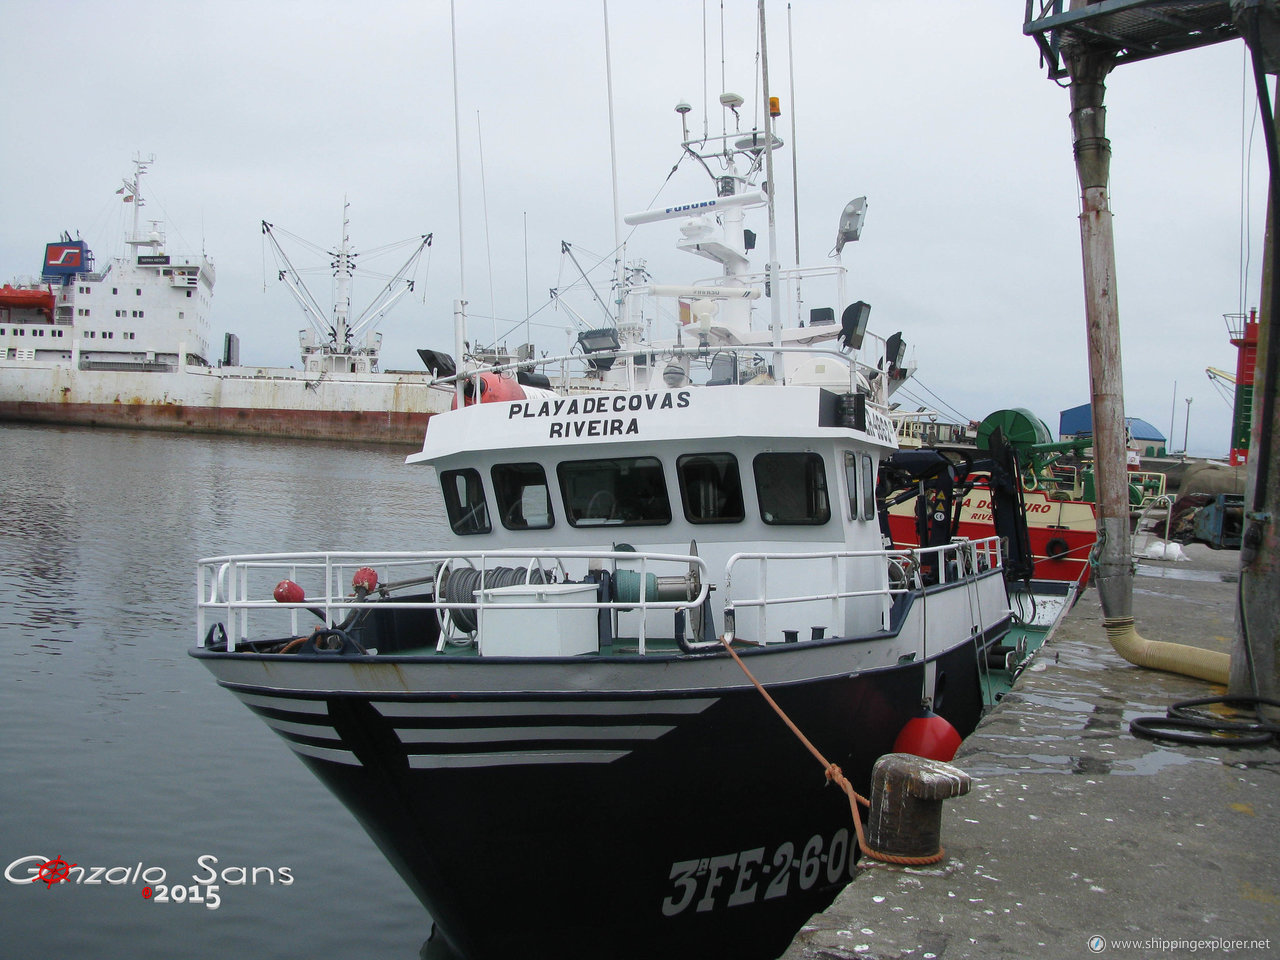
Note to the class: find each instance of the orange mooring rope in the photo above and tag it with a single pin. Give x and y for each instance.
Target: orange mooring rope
(835, 775)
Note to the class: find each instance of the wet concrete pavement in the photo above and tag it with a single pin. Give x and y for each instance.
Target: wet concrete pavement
(1078, 838)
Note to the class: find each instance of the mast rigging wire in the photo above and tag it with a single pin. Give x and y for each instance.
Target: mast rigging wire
(920, 383)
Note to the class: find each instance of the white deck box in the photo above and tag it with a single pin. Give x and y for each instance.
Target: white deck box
(533, 632)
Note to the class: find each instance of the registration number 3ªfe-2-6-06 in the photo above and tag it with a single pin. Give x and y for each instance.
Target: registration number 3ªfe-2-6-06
(736, 879)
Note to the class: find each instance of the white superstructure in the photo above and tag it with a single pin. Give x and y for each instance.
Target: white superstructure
(147, 310)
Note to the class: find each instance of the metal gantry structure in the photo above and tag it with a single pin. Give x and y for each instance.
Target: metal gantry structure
(1130, 29)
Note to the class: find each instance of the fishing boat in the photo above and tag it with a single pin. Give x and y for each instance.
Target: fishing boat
(951, 490)
(129, 344)
(554, 724)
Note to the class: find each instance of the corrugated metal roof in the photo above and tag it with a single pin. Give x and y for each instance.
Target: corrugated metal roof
(1078, 421)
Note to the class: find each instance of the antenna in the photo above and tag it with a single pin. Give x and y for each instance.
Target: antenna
(527, 335)
(771, 269)
(724, 127)
(795, 175)
(618, 250)
(459, 305)
(484, 197)
(706, 113)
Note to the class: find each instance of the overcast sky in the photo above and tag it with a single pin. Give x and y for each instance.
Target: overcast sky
(938, 112)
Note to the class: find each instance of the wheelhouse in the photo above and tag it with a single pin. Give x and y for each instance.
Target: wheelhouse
(658, 471)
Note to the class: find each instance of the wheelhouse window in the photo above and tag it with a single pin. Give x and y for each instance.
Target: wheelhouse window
(524, 501)
(464, 501)
(710, 488)
(860, 478)
(868, 487)
(621, 491)
(851, 481)
(791, 488)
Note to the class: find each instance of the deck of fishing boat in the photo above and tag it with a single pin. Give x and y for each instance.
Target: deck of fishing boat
(1076, 829)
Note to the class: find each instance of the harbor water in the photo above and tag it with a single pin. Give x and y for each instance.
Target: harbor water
(121, 755)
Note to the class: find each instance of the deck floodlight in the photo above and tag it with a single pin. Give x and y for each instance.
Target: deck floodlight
(895, 351)
(851, 220)
(853, 324)
(596, 341)
(601, 340)
(440, 364)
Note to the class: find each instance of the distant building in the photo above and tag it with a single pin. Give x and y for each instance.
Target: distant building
(1140, 436)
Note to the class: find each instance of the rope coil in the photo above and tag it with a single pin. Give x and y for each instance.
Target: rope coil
(462, 583)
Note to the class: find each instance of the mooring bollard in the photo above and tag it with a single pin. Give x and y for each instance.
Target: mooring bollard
(906, 805)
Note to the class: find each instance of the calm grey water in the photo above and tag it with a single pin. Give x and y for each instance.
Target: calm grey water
(117, 749)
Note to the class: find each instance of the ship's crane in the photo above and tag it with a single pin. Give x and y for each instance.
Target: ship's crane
(335, 343)
(1220, 377)
(1216, 374)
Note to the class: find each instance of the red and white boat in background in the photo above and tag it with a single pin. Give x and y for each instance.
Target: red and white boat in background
(1008, 462)
(1061, 533)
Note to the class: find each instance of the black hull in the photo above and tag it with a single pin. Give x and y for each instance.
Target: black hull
(700, 827)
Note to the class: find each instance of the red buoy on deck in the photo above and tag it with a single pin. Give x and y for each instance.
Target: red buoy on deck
(287, 591)
(928, 735)
(494, 388)
(366, 578)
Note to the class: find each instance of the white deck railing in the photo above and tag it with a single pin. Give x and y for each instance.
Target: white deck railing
(231, 589)
(235, 590)
(954, 561)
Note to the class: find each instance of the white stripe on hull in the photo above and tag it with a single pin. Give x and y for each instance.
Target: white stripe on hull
(532, 708)
(290, 730)
(304, 729)
(501, 734)
(463, 760)
(325, 753)
(283, 703)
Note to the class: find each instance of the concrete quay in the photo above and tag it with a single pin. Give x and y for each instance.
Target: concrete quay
(1080, 839)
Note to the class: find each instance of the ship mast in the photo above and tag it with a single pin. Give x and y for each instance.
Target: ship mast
(342, 276)
(132, 190)
(337, 343)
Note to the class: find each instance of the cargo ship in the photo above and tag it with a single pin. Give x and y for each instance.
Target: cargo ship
(129, 345)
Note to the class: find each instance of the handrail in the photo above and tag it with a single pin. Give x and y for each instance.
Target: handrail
(223, 583)
(231, 588)
(966, 553)
(668, 351)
